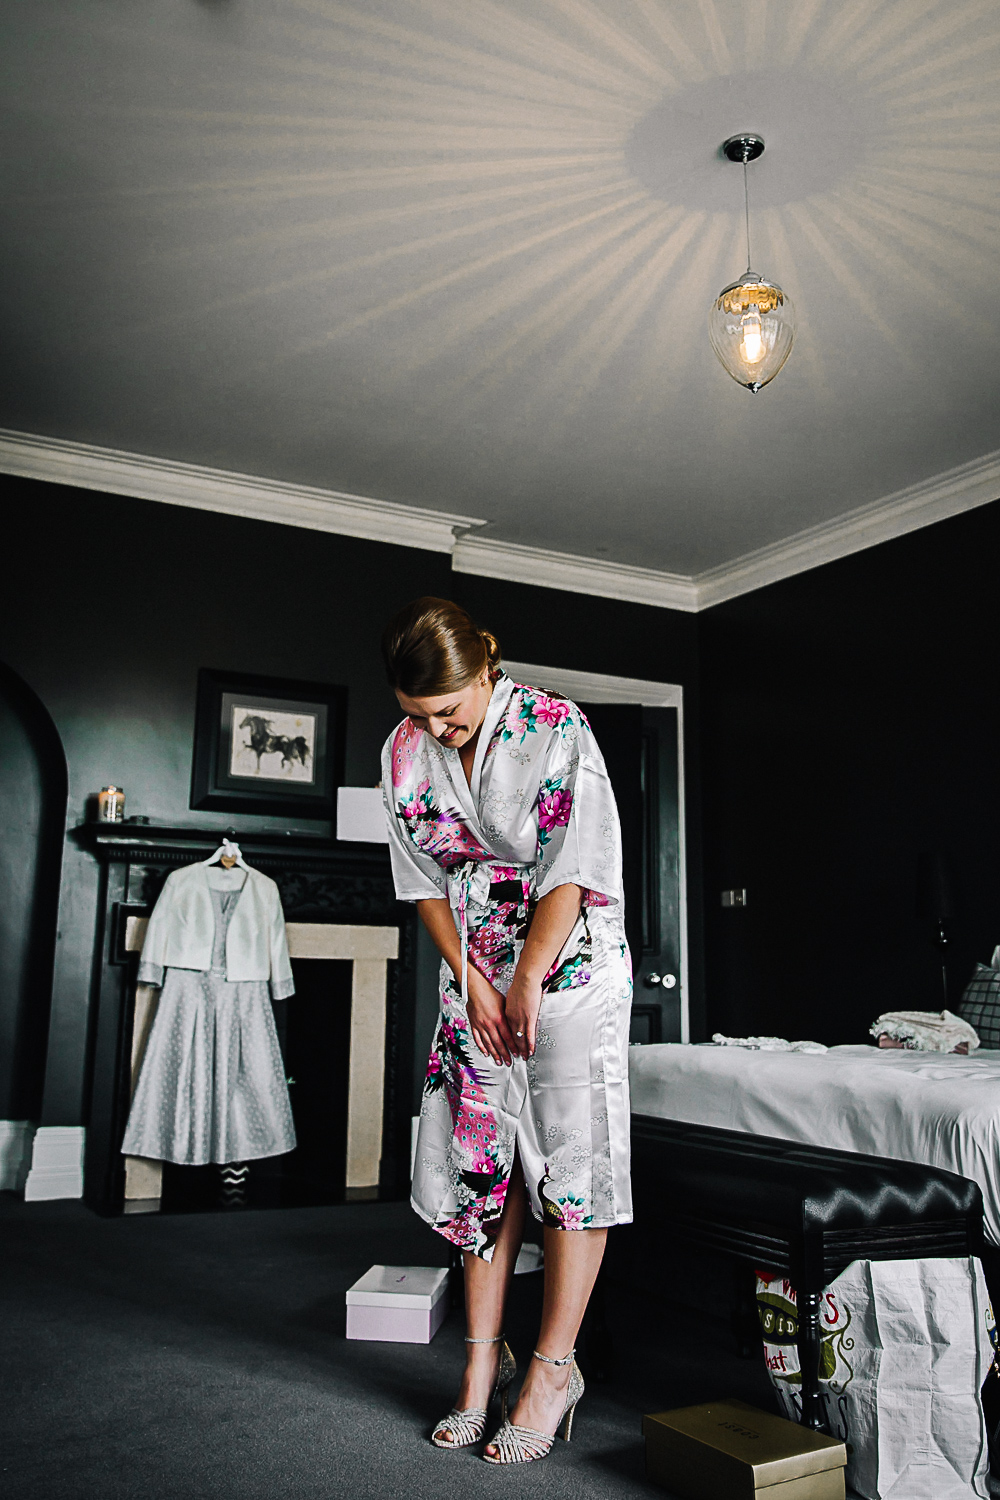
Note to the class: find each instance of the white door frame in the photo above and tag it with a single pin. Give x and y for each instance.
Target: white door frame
(599, 687)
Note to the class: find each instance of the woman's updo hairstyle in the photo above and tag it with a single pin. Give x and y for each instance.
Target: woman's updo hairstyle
(432, 647)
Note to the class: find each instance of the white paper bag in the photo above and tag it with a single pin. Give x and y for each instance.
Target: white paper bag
(905, 1348)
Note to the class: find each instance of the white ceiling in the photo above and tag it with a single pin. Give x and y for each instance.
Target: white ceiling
(459, 254)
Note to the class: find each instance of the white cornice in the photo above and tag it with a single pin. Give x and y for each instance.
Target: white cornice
(934, 499)
(85, 466)
(492, 558)
(174, 483)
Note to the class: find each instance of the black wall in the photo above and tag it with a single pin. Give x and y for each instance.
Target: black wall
(110, 605)
(32, 821)
(839, 724)
(850, 723)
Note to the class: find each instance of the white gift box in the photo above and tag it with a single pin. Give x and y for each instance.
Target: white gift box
(361, 815)
(398, 1304)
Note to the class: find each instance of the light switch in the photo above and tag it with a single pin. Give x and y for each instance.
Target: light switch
(734, 898)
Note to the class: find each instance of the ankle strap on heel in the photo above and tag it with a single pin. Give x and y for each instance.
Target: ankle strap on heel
(547, 1360)
(497, 1340)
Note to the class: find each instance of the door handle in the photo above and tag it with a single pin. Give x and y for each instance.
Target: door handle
(652, 981)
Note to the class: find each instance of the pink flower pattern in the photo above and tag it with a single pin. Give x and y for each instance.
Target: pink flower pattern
(491, 945)
(479, 1158)
(565, 1211)
(483, 1168)
(555, 803)
(404, 750)
(440, 832)
(552, 711)
(529, 707)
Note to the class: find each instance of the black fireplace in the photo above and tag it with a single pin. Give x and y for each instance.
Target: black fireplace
(320, 881)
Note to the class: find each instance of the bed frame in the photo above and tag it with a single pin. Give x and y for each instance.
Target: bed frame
(802, 1211)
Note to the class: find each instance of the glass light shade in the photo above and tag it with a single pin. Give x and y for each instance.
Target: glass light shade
(751, 327)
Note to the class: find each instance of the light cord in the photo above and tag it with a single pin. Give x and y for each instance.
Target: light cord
(746, 206)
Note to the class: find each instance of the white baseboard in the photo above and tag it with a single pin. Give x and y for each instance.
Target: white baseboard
(56, 1164)
(15, 1153)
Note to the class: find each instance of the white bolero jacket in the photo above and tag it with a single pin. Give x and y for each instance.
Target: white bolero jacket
(181, 932)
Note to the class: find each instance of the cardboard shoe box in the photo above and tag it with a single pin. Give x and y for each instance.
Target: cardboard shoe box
(727, 1448)
(398, 1304)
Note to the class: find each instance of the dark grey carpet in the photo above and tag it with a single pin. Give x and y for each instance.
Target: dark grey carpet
(176, 1357)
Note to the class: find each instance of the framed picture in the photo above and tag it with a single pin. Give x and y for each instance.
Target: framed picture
(267, 745)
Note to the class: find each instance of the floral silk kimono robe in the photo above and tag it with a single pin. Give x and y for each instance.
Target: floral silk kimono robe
(539, 813)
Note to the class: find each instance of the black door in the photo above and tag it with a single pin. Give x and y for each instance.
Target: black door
(640, 750)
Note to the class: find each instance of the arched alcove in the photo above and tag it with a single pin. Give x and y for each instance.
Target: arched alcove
(33, 797)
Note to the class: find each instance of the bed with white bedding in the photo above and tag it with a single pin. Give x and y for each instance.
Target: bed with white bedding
(931, 1107)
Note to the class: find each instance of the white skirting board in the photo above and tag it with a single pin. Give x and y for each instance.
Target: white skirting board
(15, 1153)
(56, 1164)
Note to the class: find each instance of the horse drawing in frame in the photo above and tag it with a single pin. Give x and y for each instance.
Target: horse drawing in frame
(263, 741)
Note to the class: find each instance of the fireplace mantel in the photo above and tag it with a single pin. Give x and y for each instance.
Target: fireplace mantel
(314, 874)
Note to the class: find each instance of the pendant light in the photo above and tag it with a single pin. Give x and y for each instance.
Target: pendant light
(752, 323)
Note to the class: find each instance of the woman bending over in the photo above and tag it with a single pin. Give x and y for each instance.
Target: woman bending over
(503, 829)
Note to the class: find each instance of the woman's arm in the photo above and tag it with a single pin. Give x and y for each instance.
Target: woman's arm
(554, 919)
(490, 1028)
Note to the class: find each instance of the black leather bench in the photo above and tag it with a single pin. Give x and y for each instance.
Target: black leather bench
(803, 1211)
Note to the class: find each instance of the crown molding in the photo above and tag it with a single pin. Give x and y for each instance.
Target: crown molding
(85, 466)
(491, 558)
(935, 499)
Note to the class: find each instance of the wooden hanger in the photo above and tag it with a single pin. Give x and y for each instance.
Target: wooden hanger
(227, 855)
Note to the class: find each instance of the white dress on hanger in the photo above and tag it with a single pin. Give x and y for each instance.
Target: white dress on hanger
(212, 1086)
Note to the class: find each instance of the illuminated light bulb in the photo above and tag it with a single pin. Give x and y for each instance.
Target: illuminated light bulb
(752, 344)
(752, 354)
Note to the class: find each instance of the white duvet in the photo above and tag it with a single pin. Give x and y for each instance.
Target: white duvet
(914, 1106)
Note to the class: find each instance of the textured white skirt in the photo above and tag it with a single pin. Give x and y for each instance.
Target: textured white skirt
(212, 1086)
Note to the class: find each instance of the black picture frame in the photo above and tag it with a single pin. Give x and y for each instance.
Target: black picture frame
(301, 772)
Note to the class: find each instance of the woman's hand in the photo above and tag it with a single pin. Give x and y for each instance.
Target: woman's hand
(523, 1002)
(554, 919)
(489, 1026)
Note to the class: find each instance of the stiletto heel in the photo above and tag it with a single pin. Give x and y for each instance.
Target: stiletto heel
(467, 1426)
(523, 1445)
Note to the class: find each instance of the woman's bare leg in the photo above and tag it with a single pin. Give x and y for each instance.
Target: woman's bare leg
(572, 1261)
(486, 1287)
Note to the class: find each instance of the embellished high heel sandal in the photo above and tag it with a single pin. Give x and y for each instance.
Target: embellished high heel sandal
(467, 1427)
(522, 1445)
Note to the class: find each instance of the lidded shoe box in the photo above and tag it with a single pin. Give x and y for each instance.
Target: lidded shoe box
(398, 1304)
(727, 1448)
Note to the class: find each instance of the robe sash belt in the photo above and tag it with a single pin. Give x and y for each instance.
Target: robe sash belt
(472, 881)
